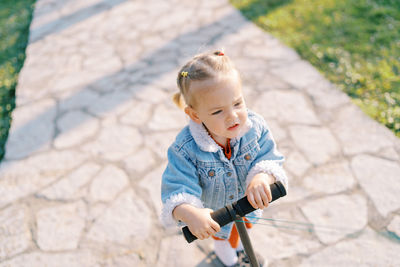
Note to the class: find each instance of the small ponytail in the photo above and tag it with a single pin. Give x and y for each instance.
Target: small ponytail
(201, 67)
(178, 100)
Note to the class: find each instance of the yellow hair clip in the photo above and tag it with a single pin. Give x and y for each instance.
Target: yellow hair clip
(184, 73)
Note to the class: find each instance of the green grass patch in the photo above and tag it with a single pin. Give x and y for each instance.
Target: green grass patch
(15, 18)
(354, 43)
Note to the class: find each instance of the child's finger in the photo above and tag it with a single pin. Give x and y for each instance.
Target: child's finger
(215, 226)
(211, 232)
(259, 200)
(206, 234)
(199, 235)
(250, 198)
(267, 191)
(265, 199)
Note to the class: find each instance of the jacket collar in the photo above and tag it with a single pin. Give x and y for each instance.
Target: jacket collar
(204, 140)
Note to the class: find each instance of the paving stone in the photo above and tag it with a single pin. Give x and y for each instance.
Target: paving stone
(281, 240)
(60, 227)
(45, 12)
(138, 114)
(167, 81)
(73, 185)
(389, 153)
(360, 251)
(15, 236)
(31, 130)
(167, 118)
(295, 193)
(330, 179)
(253, 77)
(129, 53)
(94, 46)
(126, 221)
(114, 103)
(140, 161)
(107, 184)
(66, 259)
(78, 100)
(17, 182)
(153, 41)
(325, 95)
(359, 134)
(296, 163)
(108, 85)
(32, 76)
(300, 74)
(181, 17)
(277, 131)
(95, 210)
(152, 183)
(37, 172)
(115, 142)
(334, 217)
(317, 143)
(159, 142)
(124, 259)
(95, 63)
(287, 107)
(157, 70)
(175, 251)
(72, 81)
(379, 178)
(394, 226)
(151, 94)
(272, 50)
(267, 82)
(75, 127)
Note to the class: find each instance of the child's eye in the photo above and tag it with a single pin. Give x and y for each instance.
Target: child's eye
(238, 104)
(216, 112)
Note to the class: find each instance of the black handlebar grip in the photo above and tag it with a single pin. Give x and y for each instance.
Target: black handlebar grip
(221, 216)
(243, 206)
(227, 214)
(188, 235)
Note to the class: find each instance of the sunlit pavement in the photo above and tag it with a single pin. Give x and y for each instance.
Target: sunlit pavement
(80, 182)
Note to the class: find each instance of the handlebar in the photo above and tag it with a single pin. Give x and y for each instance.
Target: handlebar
(227, 214)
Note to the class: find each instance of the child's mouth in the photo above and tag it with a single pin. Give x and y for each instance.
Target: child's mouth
(234, 127)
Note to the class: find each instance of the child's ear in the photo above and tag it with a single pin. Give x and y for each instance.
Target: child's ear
(192, 114)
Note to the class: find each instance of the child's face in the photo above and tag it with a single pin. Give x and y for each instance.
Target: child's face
(219, 104)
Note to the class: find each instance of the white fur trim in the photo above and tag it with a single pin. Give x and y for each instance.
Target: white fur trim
(175, 200)
(270, 167)
(204, 140)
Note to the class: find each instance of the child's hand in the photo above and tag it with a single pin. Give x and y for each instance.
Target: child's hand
(258, 192)
(198, 220)
(202, 225)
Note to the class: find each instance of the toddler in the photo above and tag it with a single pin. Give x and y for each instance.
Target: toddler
(225, 153)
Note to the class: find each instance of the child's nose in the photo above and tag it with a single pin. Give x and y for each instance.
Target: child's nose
(232, 116)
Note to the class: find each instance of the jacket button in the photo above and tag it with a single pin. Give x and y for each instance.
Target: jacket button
(247, 157)
(229, 174)
(211, 173)
(231, 197)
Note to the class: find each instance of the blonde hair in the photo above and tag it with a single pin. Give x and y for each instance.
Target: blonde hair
(201, 67)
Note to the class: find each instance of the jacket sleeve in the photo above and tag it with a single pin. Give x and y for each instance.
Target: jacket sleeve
(268, 159)
(180, 184)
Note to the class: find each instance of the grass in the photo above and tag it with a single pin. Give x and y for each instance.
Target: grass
(15, 18)
(354, 43)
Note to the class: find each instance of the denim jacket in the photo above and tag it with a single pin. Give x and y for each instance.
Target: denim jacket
(198, 173)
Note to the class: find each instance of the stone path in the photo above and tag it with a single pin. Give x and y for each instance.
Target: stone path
(80, 182)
